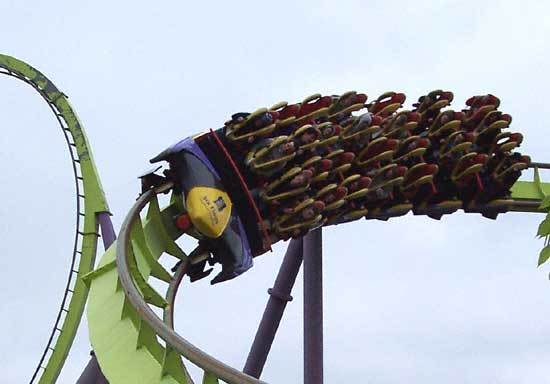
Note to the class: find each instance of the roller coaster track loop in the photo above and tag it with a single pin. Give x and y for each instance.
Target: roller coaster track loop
(89, 201)
(171, 292)
(164, 331)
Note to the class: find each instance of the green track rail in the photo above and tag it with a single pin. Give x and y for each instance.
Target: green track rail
(90, 200)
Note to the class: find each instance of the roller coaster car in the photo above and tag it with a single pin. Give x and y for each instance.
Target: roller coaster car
(341, 160)
(378, 150)
(479, 107)
(467, 167)
(301, 218)
(490, 127)
(476, 102)
(317, 165)
(360, 125)
(401, 124)
(433, 101)
(287, 112)
(292, 183)
(455, 146)
(418, 185)
(412, 148)
(507, 168)
(386, 104)
(506, 142)
(330, 133)
(493, 121)
(332, 196)
(215, 206)
(271, 155)
(244, 126)
(347, 103)
(306, 137)
(384, 180)
(313, 107)
(386, 212)
(446, 123)
(502, 172)
(357, 186)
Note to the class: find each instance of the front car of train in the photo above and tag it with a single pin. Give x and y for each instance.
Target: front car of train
(210, 213)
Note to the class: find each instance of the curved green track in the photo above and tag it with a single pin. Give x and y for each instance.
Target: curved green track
(90, 201)
(132, 343)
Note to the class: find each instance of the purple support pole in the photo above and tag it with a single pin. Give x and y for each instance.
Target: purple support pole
(313, 307)
(92, 373)
(279, 297)
(107, 230)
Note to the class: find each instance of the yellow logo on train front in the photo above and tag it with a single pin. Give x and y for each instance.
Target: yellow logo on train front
(209, 210)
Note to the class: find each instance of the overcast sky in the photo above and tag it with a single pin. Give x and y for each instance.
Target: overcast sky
(409, 300)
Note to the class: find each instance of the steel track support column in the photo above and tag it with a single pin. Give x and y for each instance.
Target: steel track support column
(92, 373)
(279, 297)
(107, 231)
(313, 307)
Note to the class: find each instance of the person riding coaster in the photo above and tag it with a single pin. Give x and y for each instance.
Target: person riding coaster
(382, 201)
(344, 105)
(313, 107)
(490, 127)
(287, 113)
(400, 125)
(356, 186)
(330, 134)
(446, 123)
(386, 104)
(466, 176)
(318, 166)
(454, 147)
(498, 176)
(418, 186)
(307, 137)
(270, 155)
(332, 195)
(341, 160)
(384, 180)
(505, 142)
(433, 101)
(250, 126)
(506, 169)
(429, 107)
(293, 182)
(411, 150)
(493, 120)
(356, 125)
(478, 108)
(378, 150)
(305, 215)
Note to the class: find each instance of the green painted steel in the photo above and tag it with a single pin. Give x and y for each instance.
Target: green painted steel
(530, 190)
(127, 349)
(87, 179)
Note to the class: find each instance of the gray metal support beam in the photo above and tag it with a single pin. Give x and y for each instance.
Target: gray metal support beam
(313, 307)
(279, 297)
